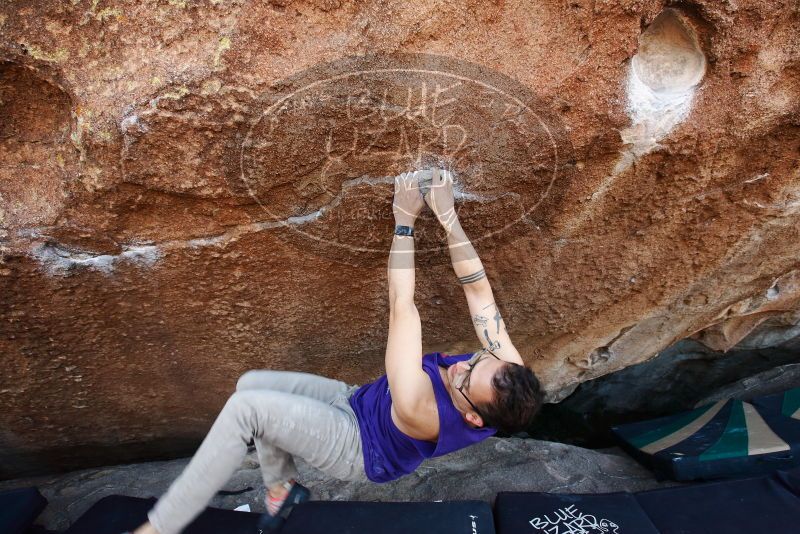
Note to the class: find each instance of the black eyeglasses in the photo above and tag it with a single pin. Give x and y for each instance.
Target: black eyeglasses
(472, 362)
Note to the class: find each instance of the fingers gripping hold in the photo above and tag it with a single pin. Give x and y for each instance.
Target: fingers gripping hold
(433, 187)
(407, 181)
(440, 198)
(440, 183)
(407, 201)
(425, 180)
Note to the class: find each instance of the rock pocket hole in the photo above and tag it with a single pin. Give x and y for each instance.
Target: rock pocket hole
(669, 59)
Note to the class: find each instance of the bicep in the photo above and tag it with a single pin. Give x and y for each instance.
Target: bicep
(404, 357)
(488, 323)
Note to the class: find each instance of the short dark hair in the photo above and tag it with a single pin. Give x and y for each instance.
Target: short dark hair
(518, 397)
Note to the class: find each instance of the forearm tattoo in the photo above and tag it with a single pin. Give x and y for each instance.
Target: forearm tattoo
(482, 321)
(492, 345)
(474, 277)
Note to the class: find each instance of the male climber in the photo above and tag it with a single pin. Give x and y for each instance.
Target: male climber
(424, 406)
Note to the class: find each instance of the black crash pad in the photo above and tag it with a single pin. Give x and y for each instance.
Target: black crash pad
(760, 504)
(450, 517)
(115, 514)
(19, 508)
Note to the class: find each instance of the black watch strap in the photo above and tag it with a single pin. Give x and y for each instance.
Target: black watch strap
(399, 229)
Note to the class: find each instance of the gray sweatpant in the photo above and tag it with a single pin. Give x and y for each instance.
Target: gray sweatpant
(288, 414)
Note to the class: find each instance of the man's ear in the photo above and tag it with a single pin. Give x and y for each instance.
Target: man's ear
(474, 419)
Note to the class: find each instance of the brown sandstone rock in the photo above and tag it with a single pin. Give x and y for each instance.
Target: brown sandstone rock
(192, 189)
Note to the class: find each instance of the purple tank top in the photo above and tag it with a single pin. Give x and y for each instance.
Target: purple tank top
(388, 452)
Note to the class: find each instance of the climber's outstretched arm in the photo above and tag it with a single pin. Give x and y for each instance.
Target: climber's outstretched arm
(486, 318)
(407, 380)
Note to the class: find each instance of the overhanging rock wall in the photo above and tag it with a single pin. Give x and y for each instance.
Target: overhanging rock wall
(189, 190)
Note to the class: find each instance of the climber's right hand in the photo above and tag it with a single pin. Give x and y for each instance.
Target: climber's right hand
(440, 198)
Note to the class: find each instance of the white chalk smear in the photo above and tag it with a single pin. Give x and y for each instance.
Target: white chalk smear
(58, 260)
(63, 261)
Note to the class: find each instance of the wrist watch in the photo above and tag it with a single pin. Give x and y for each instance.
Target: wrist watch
(399, 229)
